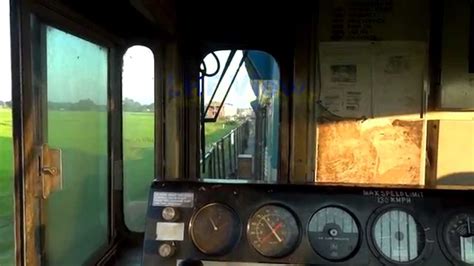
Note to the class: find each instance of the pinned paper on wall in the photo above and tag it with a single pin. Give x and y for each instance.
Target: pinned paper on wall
(345, 78)
(398, 72)
(372, 79)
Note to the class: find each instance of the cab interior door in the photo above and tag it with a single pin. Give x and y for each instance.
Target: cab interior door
(70, 77)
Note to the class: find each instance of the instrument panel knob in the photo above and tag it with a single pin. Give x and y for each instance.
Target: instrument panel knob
(166, 250)
(170, 214)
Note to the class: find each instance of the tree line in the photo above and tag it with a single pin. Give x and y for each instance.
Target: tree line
(7, 104)
(128, 105)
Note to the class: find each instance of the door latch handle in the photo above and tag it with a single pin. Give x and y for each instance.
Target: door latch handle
(51, 170)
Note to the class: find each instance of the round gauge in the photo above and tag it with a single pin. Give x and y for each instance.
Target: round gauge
(333, 233)
(273, 231)
(458, 236)
(397, 236)
(215, 229)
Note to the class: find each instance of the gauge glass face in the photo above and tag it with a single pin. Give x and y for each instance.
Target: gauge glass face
(215, 229)
(273, 231)
(398, 237)
(459, 237)
(333, 233)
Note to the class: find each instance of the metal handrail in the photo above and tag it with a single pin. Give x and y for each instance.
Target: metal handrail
(221, 159)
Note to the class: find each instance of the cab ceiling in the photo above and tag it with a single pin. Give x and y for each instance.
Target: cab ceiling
(239, 22)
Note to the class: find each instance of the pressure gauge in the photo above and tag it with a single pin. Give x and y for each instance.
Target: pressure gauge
(215, 229)
(273, 231)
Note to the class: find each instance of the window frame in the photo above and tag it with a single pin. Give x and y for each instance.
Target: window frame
(158, 49)
(285, 64)
(26, 129)
(40, 28)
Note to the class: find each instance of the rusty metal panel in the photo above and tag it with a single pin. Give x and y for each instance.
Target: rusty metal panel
(377, 151)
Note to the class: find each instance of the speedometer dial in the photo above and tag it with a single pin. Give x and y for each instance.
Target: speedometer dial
(458, 236)
(273, 231)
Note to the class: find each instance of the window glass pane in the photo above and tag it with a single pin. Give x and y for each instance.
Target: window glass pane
(76, 122)
(138, 79)
(7, 248)
(241, 115)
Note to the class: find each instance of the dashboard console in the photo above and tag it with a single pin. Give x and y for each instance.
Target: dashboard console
(308, 224)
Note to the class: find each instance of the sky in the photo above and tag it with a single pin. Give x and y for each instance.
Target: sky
(241, 93)
(138, 76)
(5, 57)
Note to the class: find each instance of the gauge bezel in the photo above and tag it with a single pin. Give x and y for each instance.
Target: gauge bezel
(191, 232)
(443, 223)
(359, 228)
(371, 240)
(298, 225)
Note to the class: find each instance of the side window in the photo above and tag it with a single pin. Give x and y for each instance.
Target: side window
(240, 115)
(70, 75)
(138, 92)
(7, 247)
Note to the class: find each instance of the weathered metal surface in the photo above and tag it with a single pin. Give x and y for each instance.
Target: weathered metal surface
(378, 151)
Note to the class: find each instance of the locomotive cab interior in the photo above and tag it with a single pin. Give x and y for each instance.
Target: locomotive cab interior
(172, 132)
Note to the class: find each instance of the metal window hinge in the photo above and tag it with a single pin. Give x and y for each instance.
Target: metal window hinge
(50, 170)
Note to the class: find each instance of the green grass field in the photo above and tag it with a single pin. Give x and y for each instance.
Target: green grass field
(215, 131)
(6, 188)
(82, 137)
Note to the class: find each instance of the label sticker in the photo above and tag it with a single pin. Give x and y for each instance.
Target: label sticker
(170, 231)
(173, 199)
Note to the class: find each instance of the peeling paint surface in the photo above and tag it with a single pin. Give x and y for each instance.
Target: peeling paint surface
(376, 151)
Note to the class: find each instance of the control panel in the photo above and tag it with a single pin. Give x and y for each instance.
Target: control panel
(308, 224)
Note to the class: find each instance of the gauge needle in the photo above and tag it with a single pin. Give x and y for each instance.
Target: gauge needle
(274, 229)
(213, 224)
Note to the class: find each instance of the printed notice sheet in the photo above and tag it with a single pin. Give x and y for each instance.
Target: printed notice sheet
(367, 79)
(398, 72)
(346, 78)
